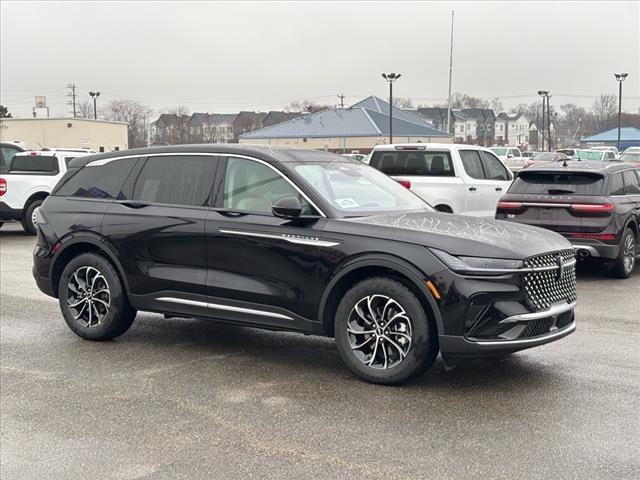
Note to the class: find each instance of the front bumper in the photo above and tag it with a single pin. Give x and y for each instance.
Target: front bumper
(8, 213)
(552, 324)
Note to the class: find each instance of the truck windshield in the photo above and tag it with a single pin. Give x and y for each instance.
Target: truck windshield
(499, 151)
(548, 183)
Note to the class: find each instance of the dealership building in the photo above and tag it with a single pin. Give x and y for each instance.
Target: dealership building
(35, 133)
(358, 128)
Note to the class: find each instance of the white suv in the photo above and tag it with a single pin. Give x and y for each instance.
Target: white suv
(463, 179)
(29, 180)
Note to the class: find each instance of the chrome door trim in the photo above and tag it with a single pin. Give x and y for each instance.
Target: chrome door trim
(229, 308)
(298, 240)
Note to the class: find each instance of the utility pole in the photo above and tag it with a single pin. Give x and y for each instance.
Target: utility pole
(450, 73)
(543, 94)
(341, 97)
(72, 97)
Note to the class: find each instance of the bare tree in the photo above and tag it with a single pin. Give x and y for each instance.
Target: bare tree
(132, 112)
(402, 102)
(4, 112)
(305, 106)
(604, 110)
(84, 109)
(179, 133)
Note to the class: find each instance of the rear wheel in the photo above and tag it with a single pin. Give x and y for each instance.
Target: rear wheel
(29, 221)
(623, 265)
(93, 300)
(382, 332)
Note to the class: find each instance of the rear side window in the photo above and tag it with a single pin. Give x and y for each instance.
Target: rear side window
(176, 180)
(103, 181)
(46, 164)
(616, 184)
(631, 183)
(547, 183)
(493, 167)
(414, 163)
(472, 164)
(6, 156)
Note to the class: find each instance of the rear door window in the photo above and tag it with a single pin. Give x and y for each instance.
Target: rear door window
(414, 163)
(176, 180)
(103, 181)
(493, 167)
(616, 184)
(472, 164)
(547, 183)
(631, 183)
(40, 164)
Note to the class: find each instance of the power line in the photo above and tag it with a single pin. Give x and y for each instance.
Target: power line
(72, 97)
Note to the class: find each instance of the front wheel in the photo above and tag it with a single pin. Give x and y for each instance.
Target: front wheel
(383, 333)
(93, 299)
(623, 265)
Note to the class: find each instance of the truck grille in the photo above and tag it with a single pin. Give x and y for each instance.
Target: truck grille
(544, 288)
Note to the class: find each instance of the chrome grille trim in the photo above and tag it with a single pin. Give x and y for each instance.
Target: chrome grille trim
(552, 281)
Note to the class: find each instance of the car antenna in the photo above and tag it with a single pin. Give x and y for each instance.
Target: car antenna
(565, 164)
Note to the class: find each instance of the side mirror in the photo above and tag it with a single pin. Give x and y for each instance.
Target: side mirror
(287, 207)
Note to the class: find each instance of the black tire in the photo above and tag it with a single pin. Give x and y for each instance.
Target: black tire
(117, 316)
(1, 224)
(422, 348)
(444, 208)
(27, 219)
(622, 267)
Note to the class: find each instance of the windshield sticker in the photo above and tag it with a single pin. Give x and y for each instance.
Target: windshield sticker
(346, 202)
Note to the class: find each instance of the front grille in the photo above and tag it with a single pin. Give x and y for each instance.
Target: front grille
(538, 327)
(543, 289)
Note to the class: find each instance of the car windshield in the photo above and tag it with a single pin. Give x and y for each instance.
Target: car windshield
(547, 183)
(356, 189)
(499, 151)
(630, 157)
(544, 156)
(587, 155)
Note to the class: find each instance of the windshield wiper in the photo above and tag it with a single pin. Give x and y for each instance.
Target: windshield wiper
(558, 191)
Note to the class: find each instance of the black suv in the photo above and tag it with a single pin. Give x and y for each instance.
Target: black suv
(595, 205)
(297, 240)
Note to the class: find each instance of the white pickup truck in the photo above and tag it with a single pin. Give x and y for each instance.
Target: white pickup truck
(511, 156)
(29, 180)
(453, 178)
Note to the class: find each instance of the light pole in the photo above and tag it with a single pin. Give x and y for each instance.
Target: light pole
(543, 94)
(95, 96)
(620, 77)
(391, 77)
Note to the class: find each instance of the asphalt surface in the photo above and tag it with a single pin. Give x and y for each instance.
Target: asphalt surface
(195, 399)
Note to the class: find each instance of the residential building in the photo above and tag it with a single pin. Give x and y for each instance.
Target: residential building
(437, 116)
(480, 124)
(517, 129)
(35, 133)
(357, 128)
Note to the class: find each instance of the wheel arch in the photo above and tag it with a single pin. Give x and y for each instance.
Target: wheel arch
(78, 245)
(39, 195)
(372, 266)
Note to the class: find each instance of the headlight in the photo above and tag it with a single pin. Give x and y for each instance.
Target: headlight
(478, 265)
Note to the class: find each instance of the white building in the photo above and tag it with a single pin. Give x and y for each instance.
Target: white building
(516, 129)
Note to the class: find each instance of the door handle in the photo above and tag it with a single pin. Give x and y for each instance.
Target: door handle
(498, 189)
(133, 204)
(472, 189)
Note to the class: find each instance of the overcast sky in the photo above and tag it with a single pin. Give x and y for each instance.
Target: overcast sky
(223, 57)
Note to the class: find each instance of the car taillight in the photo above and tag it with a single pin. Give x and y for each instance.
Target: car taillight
(509, 206)
(3, 186)
(595, 236)
(592, 207)
(404, 183)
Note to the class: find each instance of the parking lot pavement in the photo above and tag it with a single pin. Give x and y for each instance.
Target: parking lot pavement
(196, 399)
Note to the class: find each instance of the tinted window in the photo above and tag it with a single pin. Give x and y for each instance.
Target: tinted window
(631, 183)
(616, 184)
(252, 187)
(176, 180)
(414, 163)
(103, 181)
(35, 163)
(7, 156)
(493, 167)
(471, 163)
(557, 183)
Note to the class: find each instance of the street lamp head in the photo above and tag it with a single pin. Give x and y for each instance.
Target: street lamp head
(91, 94)
(543, 93)
(384, 75)
(97, 94)
(620, 77)
(391, 77)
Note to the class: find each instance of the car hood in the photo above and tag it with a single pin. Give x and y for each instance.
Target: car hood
(465, 235)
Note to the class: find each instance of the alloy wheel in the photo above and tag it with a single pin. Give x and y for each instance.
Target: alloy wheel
(629, 253)
(89, 296)
(379, 331)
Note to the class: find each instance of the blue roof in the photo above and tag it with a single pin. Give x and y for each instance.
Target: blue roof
(367, 118)
(627, 134)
